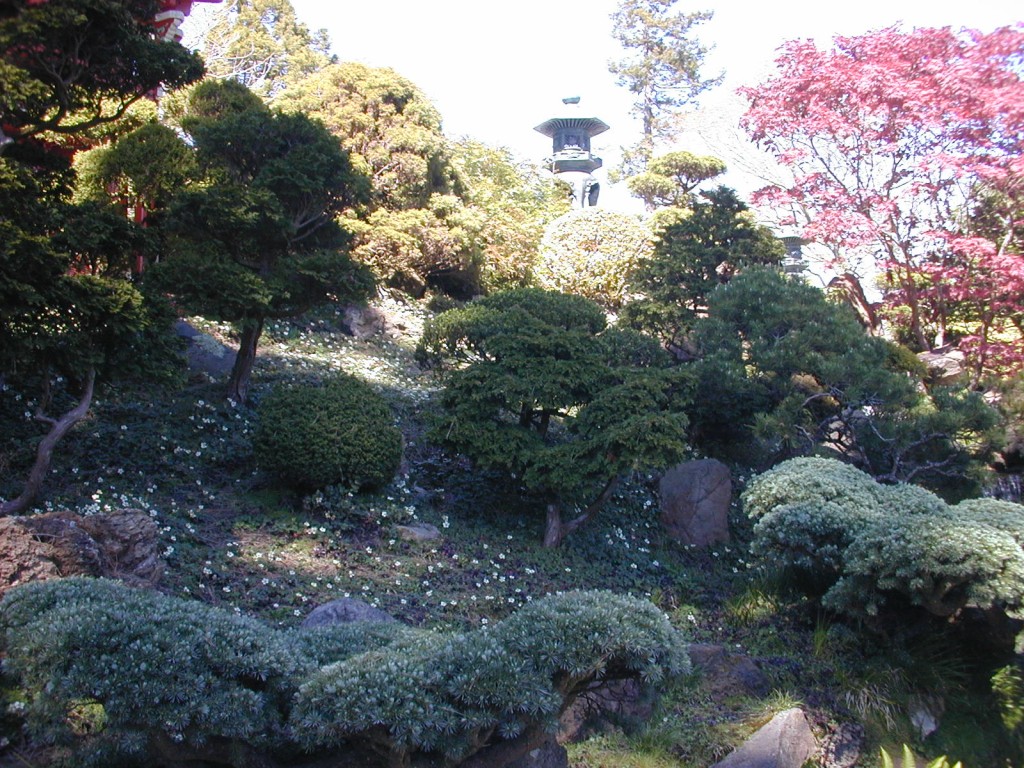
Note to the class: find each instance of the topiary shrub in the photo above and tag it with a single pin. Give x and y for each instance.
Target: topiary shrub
(940, 563)
(452, 693)
(867, 546)
(813, 479)
(1005, 516)
(592, 252)
(338, 433)
(161, 673)
(809, 537)
(172, 682)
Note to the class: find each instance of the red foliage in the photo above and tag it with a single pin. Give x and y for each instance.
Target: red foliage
(892, 138)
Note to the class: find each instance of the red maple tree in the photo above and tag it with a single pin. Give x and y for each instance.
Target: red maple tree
(900, 145)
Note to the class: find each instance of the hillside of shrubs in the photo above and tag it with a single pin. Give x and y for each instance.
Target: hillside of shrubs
(329, 441)
(858, 600)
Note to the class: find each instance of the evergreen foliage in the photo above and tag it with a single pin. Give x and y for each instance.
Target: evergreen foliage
(593, 253)
(68, 68)
(546, 393)
(338, 433)
(262, 45)
(661, 68)
(870, 547)
(451, 693)
(169, 680)
(161, 669)
(780, 363)
(142, 169)
(259, 239)
(706, 246)
(671, 178)
(419, 231)
(513, 203)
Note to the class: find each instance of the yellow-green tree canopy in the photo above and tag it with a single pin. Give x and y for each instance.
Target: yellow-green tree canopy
(593, 252)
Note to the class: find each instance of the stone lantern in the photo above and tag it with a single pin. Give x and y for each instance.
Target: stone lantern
(793, 262)
(571, 159)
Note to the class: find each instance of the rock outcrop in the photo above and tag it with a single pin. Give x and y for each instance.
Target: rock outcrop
(695, 498)
(344, 611)
(120, 545)
(724, 673)
(785, 742)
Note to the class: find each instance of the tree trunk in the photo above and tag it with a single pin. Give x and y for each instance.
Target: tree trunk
(848, 285)
(913, 301)
(241, 373)
(44, 453)
(554, 530)
(504, 752)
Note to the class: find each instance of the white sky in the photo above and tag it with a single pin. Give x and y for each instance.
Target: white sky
(497, 69)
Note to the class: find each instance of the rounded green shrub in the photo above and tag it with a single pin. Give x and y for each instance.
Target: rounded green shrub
(1005, 516)
(810, 536)
(906, 499)
(816, 480)
(941, 563)
(154, 667)
(869, 547)
(442, 692)
(592, 252)
(338, 433)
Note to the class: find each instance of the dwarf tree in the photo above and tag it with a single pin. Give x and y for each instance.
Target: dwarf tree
(671, 178)
(890, 137)
(545, 391)
(873, 550)
(704, 248)
(259, 239)
(222, 689)
(67, 68)
(139, 172)
(780, 363)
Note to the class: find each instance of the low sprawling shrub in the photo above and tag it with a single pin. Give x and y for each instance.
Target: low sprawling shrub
(170, 681)
(813, 479)
(339, 433)
(447, 693)
(941, 563)
(869, 545)
(164, 671)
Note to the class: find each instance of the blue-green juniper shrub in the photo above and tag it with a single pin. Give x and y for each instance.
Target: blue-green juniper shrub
(871, 547)
(172, 680)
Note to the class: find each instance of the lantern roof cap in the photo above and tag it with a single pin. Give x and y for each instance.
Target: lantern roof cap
(591, 126)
